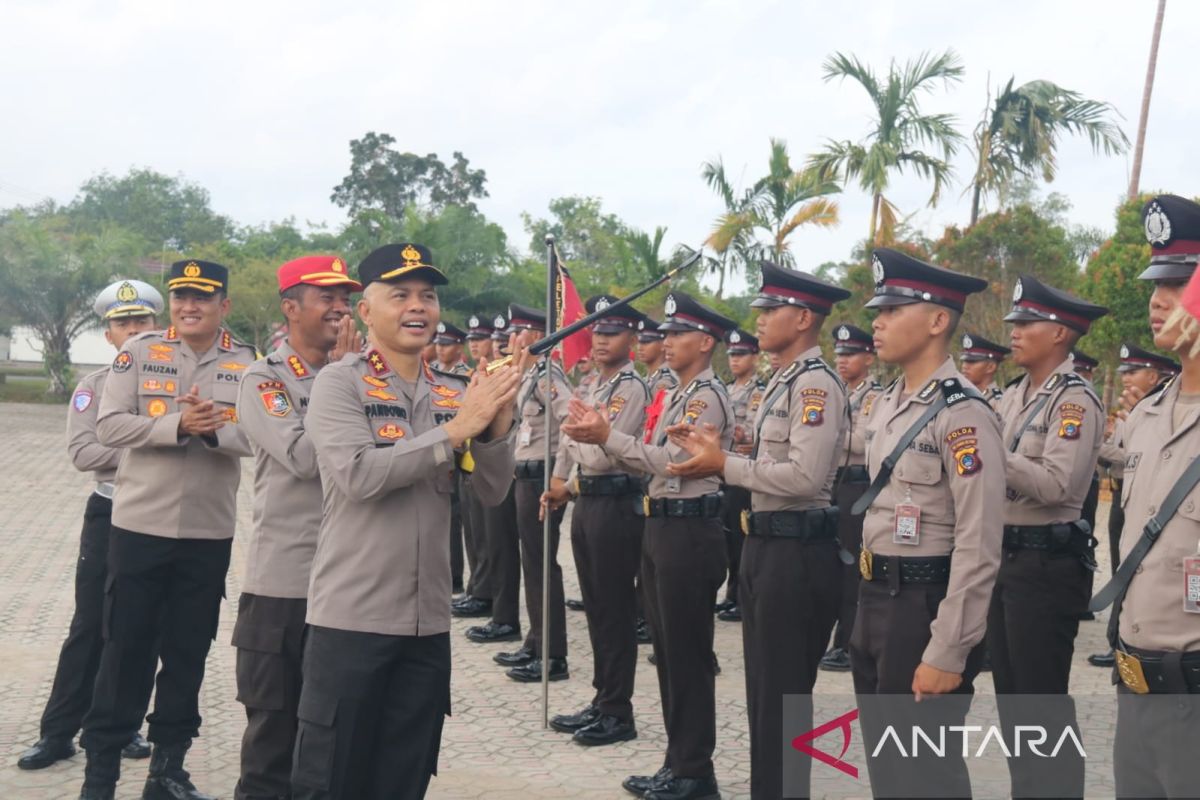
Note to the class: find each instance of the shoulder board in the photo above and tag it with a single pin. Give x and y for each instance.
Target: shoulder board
(876, 385)
(1160, 389)
(697, 384)
(996, 392)
(929, 389)
(955, 391)
(760, 384)
(621, 377)
(137, 337)
(1014, 381)
(446, 374)
(892, 385)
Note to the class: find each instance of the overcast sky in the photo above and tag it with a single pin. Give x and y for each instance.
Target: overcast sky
(257, 100)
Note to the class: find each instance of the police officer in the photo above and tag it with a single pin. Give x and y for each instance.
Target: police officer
(854, 353)
(450, 341)
(979, 361)
(477, 599)
(127, 308)
(651, 352)
(1141, 372)
(170, 401)
(504, 553)
(1052, 432)
(1155, 621)
(1085, 365)
(933, 525)
(745, 394)
(791, 573)
(606, 534)
(683, 546)
(529, 325)
(385, 427)
(272, 405)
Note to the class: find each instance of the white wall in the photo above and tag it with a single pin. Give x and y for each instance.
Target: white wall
(90, 348)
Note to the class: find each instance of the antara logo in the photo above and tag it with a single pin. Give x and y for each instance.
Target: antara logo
(801, 742)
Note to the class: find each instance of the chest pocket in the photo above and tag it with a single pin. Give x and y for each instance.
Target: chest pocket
(1129, 479)
(922, 475)
(225, 391)
(776, 437)
(155, 399)
(389, 431)
(531, 408)
(1032, 444)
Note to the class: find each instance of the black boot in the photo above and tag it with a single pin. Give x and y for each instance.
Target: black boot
(100, 775)
(46, 751)
(168, 780)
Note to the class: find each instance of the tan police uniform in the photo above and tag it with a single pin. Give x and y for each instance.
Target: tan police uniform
(745, 399)
(533, 405)
(272, 406)
(606, 540)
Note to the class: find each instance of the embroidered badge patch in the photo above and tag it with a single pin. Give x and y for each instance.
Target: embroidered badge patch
(964, 445)
(277, 402)
(446, 402)
(376, 382)
(381, 394)
(1071, 420)
(122, 362)
(157, 407)
(813, 401)
(233, 366)
(693, 411)
(297, 366)
(161, 352)
(391, 431)
(444, 391)
(152, 385)
(376, 361)
(614, 407)
(82, 400)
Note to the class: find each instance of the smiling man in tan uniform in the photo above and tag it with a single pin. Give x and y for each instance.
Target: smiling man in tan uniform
(385, 427)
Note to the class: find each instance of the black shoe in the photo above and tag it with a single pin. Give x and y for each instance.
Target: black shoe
(607, 729)
(493, 632)
(516, 658)
(638, 785)
(48, 750)
(685, 789)
(986, 664)
(107, 792)
(1087, 616)
(643, 632)
(1102, 659)
(836, 660)
(456, 587)
(168, 780)
(716, 664)
(472, 608)
(532, 672)
(652, 659)
(458, 601)
(574, 605)
(569, 723)
(137, 748)
(724, 605)
(730, 615)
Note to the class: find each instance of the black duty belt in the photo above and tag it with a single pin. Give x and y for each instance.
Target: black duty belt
(1074, 538)
(609, 485)
(853, 473)
(903, 569)
(1159, 672)
(708, 505)
(531, 470)
(813, 525)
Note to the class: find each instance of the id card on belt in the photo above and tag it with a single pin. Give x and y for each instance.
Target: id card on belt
(906, 527)
(525, 436)
(674, 484)
(1191, 584)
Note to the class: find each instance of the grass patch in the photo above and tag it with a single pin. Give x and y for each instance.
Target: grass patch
(27, 391)
(23, 372)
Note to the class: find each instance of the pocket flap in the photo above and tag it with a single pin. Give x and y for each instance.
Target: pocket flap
(259, 638)
(317, 708)
(922, 469)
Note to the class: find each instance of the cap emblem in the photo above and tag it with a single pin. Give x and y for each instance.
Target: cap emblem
(473, 322)
(877, 270)
(441, 328)
(602, 304)
(670, 306)
(843, 334)
(1018, 290)
(411, 256)
(735, 337)
(499, 321)
(967, 342)
(1124, 351)
(192, 270)
(1158, 226)
(337, 265)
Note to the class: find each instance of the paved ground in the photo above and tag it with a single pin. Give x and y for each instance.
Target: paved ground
(494, 745)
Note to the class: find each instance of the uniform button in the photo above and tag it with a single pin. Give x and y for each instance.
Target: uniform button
(925, 475)
(888, 429)
(1152, 510)
(1189, 506)
(1166, 454)
(1135, 628)
(1139, 568)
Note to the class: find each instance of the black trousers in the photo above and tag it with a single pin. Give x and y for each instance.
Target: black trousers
(475, 543)
(683, 567)
(850, 529)
(529, 527)
(457, 565)
(790, 595)
(1032, 623)
(737, 500)
(891, 632)
(1116, 521)
(606, 538)
(158, 590)
(371, 714)
(504, 552)
(79, 659)
(1154, 753)
(269, 637)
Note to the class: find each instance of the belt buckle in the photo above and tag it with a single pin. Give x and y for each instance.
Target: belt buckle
(866, 564)
(1129, 667)
(745, 522)
(645, 505)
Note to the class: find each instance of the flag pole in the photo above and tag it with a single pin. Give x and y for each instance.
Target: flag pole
(547, 516)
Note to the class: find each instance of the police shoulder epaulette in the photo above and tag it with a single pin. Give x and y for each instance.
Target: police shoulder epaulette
(1014, 381)
(273, 358)
(759, 383)
(1069, 380)
(1160, 389)
(895, 382)
(955, 391)
(447, 374)
(137, 337)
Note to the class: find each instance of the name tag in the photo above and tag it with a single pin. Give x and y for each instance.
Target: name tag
(525, 436)
(674, 484)
(1191, 584)
(906, 525)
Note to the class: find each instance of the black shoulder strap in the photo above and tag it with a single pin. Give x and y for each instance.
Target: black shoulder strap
(1115, 589)
(1014, 381)
(953, 393)
(1055, 381)
(790, 373)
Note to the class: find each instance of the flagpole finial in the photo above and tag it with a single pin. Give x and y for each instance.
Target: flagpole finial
(549, 239)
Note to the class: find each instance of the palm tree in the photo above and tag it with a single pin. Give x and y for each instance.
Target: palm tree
(1019, 133)
(777, 204)
(1135, 175)
(899, 132)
